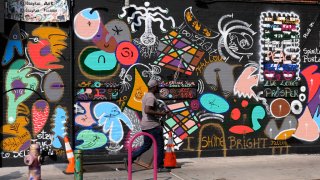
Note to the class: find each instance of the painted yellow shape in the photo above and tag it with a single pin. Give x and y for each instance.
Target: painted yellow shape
(138, 91)
(192, 51)
(174, 54)
(286, 134)
(173, 33)
(55, 36)
(185, 113)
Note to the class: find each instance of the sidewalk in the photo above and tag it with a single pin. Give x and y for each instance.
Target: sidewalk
(284, 167)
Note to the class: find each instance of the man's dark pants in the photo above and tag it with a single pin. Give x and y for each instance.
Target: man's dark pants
(157, 133)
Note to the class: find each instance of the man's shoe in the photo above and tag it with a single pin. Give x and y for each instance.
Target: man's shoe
(125, 161)
(160, 170)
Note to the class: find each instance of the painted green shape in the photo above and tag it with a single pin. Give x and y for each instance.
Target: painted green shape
(91, 140)
(258, 112)
(171, 122)
(95, 62)
(101, 60)
(17, 80)
(190, 131)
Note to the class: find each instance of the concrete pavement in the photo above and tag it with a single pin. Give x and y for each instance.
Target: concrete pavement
(280, 167)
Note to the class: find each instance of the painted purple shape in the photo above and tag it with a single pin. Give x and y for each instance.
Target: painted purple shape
(45, 51)
(25, 146)
(175, 62)
(179, 131)
(17, 85)
(313, 104)
(41, 104)
(180, 45)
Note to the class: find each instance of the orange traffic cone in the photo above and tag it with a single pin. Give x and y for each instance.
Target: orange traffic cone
(70, 156)
(170, 159)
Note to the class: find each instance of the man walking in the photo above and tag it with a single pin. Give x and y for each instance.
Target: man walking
(150, 124)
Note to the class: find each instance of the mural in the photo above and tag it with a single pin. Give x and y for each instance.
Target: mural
(235, 81)
(34, 111)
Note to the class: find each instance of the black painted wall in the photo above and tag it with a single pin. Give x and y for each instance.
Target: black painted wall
(244, 82)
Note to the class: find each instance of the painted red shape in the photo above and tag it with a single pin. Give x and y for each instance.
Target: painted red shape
(244, 103)
(127, 53)
(313, 80)
(40, 114)
(241, 129)
(41, 55)
(235, 114)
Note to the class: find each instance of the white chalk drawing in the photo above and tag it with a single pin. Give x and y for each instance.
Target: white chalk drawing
(151, 72)
(147, 14)
(236, 38)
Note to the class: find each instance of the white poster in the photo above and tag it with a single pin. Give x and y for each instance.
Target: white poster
(37, 10)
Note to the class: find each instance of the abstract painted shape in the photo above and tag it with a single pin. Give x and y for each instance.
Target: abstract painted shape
(97, 64)
(287, 128)
(14, 44)
(134, 117)
(245, 83)
(19, 137)
(53, 87)
(214, 103)
(91, 140)
(110, 35)
(183, 123)
(313, 80)
(40, 114)
(86, 23)
(85, 118)
(41, 56)
(127, 53)
(219, 75)
(178, 54)
(258, 114)
(56, 38)
(59, 120)
(110, 117)
(241, 129)
(316, 117)
(280, 108)
(197, 27)
(138, 91)
(19, 86)
(235, 114)
(307, 129)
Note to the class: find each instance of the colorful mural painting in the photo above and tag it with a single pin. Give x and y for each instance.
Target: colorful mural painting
(238, 78)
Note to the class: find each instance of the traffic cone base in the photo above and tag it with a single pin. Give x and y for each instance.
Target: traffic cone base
(70, 156)
(170, 159)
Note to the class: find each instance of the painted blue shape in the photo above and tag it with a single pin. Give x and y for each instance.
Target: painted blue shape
(59, 119)
(214, 103)
(92, 16)
(110, 117)
(14, 43)
(258, 112)
(316, 117)
(101, 60)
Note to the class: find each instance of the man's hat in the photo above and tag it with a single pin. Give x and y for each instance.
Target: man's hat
(152, 83)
